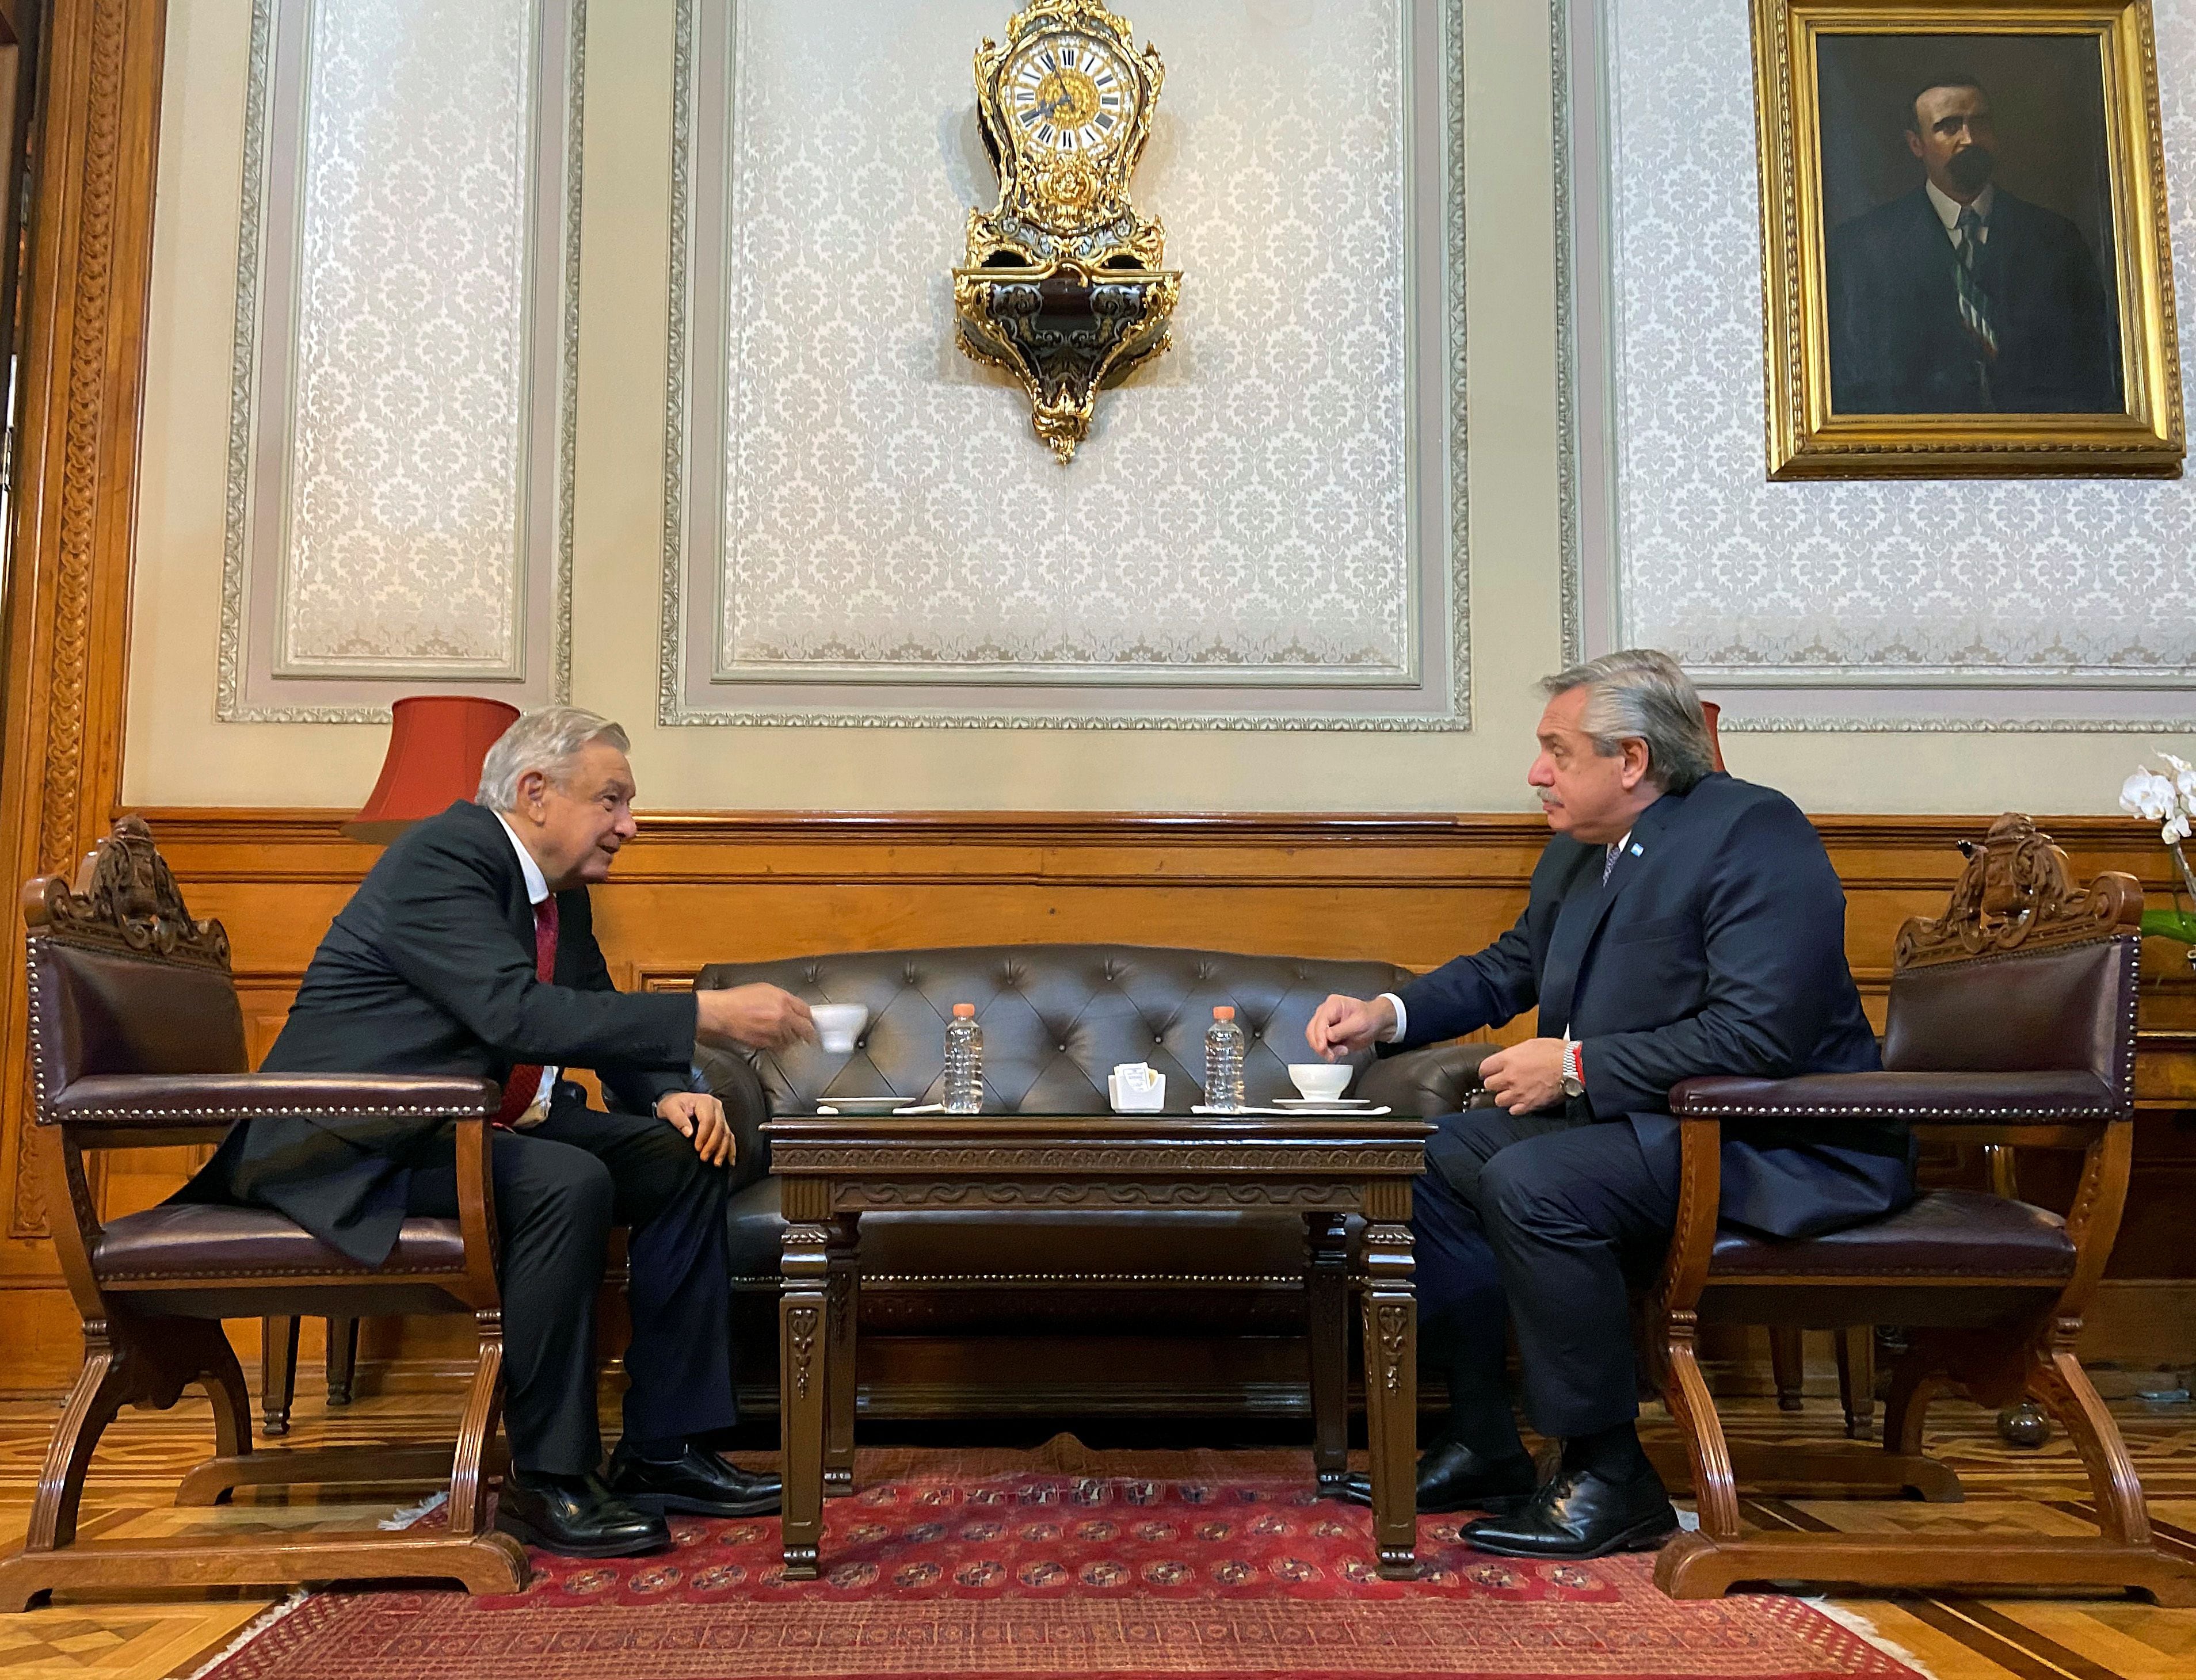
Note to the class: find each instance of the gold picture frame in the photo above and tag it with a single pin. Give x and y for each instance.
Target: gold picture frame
(1868, 375)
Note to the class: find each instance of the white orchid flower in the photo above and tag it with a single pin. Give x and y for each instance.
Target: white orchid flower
(2184, 780)
(2175, 829)
(2150, 796)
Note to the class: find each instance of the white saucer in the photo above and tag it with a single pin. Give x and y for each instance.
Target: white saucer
(862, 1105)
(1338, 1105)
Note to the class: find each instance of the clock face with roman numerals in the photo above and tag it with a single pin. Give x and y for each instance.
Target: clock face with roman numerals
(1069, 93)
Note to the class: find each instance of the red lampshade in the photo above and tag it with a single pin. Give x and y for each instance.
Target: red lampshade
(1709, 713)
(435, 745)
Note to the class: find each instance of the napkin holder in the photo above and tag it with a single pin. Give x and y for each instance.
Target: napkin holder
(1151, 1101)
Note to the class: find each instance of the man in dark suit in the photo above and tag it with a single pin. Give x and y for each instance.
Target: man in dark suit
(1959, 298)
(1680, 923)
(469, 948)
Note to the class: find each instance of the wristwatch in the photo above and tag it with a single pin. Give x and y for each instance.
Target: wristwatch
(1573, 1068)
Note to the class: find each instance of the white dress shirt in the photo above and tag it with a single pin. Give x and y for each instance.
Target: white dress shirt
(1949, 209)
(537, 889)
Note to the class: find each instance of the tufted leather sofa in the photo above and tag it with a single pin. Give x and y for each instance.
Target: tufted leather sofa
(968, 1313)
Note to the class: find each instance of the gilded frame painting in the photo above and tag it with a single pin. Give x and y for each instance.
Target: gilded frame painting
(1965, 263)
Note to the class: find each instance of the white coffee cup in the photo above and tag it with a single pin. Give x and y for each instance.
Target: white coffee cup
(1320, 1081)
(839, 1025)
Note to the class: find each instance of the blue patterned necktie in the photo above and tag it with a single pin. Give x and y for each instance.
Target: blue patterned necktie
(1608, 863)
(1974, 301)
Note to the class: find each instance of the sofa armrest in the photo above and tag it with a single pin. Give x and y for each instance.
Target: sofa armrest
(139, 1101)
(1834, 1100)
(1436, 1079)
(733, 1082)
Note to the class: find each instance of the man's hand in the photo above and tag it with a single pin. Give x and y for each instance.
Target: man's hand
(1525, 1076)
(1344, 1025)
(761, 1016)
(700, 1116)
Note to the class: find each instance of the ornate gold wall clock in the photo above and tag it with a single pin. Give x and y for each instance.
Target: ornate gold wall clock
(1062, 286)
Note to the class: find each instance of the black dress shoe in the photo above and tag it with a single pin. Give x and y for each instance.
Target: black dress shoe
(1452, 1477)
(576, 1516)
(1580, 1514)
(700, 1484)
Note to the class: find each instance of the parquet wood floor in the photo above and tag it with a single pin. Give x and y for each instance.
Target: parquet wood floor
(2009, 1491)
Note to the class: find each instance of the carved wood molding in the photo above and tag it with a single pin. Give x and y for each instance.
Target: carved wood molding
(2019, 893)
(125, 899)
(855, 1195)
(790, 1158)
(85, 302)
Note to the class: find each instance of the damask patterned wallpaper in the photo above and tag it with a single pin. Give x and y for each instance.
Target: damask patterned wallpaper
(407, 396)
(401, 372)
(1249, 513)
(2078, 595)
(1242, 504)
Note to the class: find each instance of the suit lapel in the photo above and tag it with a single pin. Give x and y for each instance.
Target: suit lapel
(1584, 909)
(497, 843)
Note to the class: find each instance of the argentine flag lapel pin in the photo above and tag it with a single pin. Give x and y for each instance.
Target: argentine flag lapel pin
(1636, 850)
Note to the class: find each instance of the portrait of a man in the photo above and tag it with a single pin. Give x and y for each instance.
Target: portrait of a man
(1963, 295)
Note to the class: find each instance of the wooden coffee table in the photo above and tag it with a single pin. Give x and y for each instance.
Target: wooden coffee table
(835, 1169)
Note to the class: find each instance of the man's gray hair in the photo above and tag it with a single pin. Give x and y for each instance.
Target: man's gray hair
(547, 740)
(1641, 694)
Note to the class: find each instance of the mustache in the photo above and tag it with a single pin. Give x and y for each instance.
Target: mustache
(1973, 167)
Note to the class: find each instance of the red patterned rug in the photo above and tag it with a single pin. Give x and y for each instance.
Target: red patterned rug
(1046, 1572)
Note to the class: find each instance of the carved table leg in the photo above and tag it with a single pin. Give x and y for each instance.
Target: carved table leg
(1391, 1378)
(804, 1352)
(845, 1260)
(278, 1373)
(1327, 1307)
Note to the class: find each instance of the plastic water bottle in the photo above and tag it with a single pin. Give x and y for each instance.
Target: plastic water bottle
(1223, 1061)
(964, 1062)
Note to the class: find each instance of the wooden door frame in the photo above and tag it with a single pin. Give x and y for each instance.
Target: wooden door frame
(87, 289)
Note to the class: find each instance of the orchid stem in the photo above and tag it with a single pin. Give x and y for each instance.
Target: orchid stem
(2181, 861)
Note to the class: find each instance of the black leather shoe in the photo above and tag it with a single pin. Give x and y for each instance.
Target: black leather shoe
(1452, 1477)
(1578, 1515)
(576, 1516)
(700, 1484)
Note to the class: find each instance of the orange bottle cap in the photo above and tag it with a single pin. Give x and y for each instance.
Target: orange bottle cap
(1224, 1012)
(964, 1010)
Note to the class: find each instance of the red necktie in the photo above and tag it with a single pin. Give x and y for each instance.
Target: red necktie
(524, 1083)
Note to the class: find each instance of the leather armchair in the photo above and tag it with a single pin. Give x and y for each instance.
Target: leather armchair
(2011, 1021)
(972, 1312)
(136, 1041)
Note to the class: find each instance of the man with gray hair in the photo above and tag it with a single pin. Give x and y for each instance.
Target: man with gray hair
(1680, 923)
(469, 948)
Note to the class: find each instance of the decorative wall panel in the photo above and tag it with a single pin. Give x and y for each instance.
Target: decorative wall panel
(401, 413)
(2008, 604)
(1265, 528)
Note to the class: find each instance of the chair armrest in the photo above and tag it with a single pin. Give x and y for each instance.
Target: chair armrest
(1436, 1079)
(136, 1101)
(1933, 1098)
(734, 1083)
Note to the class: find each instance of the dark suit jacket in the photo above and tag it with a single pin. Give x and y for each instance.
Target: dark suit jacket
(1718, 947)
(1897, 346)
(430, 968)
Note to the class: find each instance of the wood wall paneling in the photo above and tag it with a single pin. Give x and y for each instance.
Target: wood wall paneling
(699, 888)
